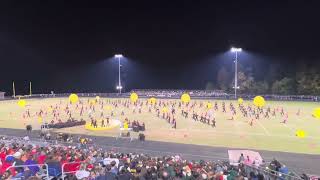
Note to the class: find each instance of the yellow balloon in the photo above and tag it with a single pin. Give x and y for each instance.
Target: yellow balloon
(73, 98)
(240, 100)
(152, 100)
(164, 109)
(22, 103)
(134, 97)
(316, 113)
(259, 101)
(97, 98)
(185, 98)
(209, 105)
(300, 134)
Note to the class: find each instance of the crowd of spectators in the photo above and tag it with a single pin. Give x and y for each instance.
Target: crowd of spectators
(176, 93)
(285, 97)
(85, 160)
(94, 163)
(219, 94)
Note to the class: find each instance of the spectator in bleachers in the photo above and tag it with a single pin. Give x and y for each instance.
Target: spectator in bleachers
(54, 165)
(18, 162)
(33, 169)
(95, 164)
(82, 173)
(109, 174)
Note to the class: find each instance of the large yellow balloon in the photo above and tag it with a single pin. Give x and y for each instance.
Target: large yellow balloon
(300, 134)
(185, 98)
(209, 105)
(134, 97)
(73, 98)
(316, 113)
(240, 100)
(22, 103)
(152, 100)
(259, 101)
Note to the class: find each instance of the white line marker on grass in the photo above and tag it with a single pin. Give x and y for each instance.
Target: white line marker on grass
(265, 130)
(290, 129)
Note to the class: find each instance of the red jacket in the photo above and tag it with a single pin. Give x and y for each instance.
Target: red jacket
(4, 167)
(72, 167)
(3, 156)
(42, 159)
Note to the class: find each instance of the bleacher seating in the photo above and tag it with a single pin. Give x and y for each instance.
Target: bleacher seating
(95, 163)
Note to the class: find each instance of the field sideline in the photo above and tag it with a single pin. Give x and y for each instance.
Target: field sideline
(265, 134)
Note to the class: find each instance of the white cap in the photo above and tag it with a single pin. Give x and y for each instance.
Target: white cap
(17, 155)
(204, 176)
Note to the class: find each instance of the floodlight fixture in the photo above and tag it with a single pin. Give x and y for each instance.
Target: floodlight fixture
(236, 51)
(118, 56)
(233, 49)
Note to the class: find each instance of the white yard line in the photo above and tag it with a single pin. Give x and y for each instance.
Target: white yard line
(265, 130)
(291, 129)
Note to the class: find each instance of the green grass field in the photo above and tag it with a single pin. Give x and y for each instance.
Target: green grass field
(265, 134)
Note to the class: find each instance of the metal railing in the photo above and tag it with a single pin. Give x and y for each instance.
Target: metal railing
(270, 174)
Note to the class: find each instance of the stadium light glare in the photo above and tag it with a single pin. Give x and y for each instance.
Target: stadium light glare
(236, 51)
(119, 87)
(119, 56)
(233, 49)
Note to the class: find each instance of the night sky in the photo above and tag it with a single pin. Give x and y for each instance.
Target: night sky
(68, 46)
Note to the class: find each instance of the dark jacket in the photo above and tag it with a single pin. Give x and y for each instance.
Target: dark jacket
(109, 176)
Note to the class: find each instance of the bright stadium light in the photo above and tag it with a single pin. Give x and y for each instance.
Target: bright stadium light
(119, 56)
(233, 49)
(119, 87)
(236, 51)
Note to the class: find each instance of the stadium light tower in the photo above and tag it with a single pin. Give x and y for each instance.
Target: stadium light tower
(236, 51)
(119, 56)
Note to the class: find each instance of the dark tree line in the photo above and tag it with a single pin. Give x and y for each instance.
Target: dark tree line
(300, 79)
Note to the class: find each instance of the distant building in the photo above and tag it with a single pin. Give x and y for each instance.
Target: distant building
(2, 95)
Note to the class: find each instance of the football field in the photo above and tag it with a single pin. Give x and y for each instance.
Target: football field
(264, 134)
